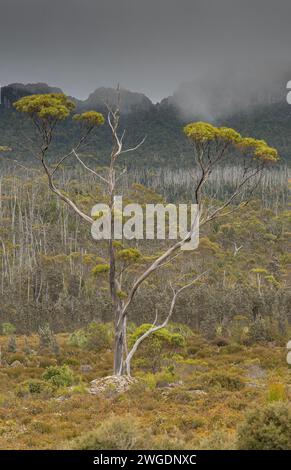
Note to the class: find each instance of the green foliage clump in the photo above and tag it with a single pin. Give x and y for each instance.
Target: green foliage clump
(90, 118)
(46, 107)
(8, 329)
(129, 255)
(164, 335)
(115, 433)
(96, 336)
(33, 387)
(100, 269)
(277, 392)
(78, 339)
(153, 349)
(266, 428)
(121, 294)
(100, 336)
(202, 133)
(159, 379)
(59, 376)
(259, 148)
(184, 330)
(165, 377)
(226, 380)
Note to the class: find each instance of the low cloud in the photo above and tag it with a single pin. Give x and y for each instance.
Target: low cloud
(215, 92)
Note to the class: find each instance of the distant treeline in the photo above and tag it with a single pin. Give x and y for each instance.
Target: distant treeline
(47, 256)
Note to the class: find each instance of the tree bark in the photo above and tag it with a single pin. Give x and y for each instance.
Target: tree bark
(118, 349)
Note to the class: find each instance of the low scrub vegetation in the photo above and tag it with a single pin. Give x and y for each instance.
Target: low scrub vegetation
(200, 394)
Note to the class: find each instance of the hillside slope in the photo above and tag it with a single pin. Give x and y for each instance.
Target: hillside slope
(162, 123)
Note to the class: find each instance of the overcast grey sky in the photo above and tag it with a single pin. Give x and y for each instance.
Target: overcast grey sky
(152, 46)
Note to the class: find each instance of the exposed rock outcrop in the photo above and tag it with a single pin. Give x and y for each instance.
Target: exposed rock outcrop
(111, 384)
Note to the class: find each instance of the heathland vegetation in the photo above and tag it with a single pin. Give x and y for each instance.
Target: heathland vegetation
(198, 381)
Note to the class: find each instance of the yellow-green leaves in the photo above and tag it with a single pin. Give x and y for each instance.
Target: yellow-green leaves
(259, 148)
(52, 106)
(205, 133)
(129, 254)
(100, 269)
(250, 143)
(200, 131)
(264, 152)
(90, 118)
(228, 135)
(46, 110)
(5, 149)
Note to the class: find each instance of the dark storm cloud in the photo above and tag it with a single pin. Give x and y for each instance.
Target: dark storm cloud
(217, 46)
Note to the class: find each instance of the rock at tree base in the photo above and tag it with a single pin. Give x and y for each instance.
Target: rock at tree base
(16, 364)
(112, 383)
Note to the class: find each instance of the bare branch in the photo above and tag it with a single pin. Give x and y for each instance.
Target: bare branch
(132, 149)
(236, 193)
(236, 249)
(62, 196)
(156, 327)
(89, 169)
(121, 174)
(61, 161)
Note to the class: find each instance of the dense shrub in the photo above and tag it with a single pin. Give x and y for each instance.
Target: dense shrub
(267, 428)
(152, 350)
(78, 339)
(33, 387)
(8, 329)
(59, 376)
(159, 380)
(226, 380)
(277, 392)
(96, 336)
(116, 433)
(100, 336)
(164, 335)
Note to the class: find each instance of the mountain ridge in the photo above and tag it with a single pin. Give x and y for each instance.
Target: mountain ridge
(161, 122)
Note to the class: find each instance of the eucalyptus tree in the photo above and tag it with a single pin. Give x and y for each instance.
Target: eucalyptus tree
(211, 147)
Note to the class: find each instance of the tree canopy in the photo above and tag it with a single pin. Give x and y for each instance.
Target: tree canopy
(52, 106)
(203, 133)
(90, 118)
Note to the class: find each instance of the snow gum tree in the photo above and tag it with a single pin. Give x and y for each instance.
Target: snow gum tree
(212, 146)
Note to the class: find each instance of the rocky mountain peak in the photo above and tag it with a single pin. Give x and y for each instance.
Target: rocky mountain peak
(15, 91)
(129, 101)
